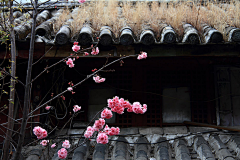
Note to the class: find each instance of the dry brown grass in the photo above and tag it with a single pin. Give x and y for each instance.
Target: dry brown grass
(142, 15)
(61, 20)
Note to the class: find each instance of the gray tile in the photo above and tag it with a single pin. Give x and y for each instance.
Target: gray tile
(175, 130)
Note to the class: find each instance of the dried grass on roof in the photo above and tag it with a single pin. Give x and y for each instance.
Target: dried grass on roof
(141, 15)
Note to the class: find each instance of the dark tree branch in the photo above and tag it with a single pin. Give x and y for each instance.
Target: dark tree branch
(12, 87)
(27, 94)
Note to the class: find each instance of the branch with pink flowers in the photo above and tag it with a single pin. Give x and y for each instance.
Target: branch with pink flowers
(114, 105)
(89, 76)
(69, 61)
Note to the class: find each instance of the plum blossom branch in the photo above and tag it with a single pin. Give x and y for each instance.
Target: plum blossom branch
(77, 145)
(72, 55)
(89, 76)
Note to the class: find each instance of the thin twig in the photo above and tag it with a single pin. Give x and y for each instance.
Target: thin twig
(29, 117)
(9, 117)
(89, 76)
(86, 128)
(42, 56)
(61, 61)
(9, 129)
(12, 76)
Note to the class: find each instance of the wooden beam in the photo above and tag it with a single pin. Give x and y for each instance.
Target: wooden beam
(212, 126)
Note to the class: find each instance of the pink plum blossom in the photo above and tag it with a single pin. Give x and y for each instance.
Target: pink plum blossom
(118, 109)
(40, 132)
(81, 1)
(118, 105)
(53, 145)
(48, 107)
(102, 138)
(62, 153)
(99, 124)
(69, 61)
(70, 89)
(114, 131)
(123, 103)
(106, 129)
(86, 53)
(130, 109)
(138, 109)
(75, 47)
(89, 132)
(144, 108)
(66, 144)
(44, 142)
(95, 51)
(142, 55)
(71, 65)
(106, 113)
(76, 108)
(97, 79)
(113, 102)
(115, 106)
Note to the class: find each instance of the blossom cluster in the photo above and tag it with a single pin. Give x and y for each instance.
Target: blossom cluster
(118, 105)
(40, 132)
(66, 144)
(47, 107)
(70, 89)
(98, 126)
(44, 142)
(75, 47)
(62, 153)
(104, 132)
(143, 55)
(70, 63)
(97, 79)
(76, 108)
(81, 1)
(95, 51)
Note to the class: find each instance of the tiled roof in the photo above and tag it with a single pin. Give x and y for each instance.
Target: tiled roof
(85, 34)
(179, 143)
